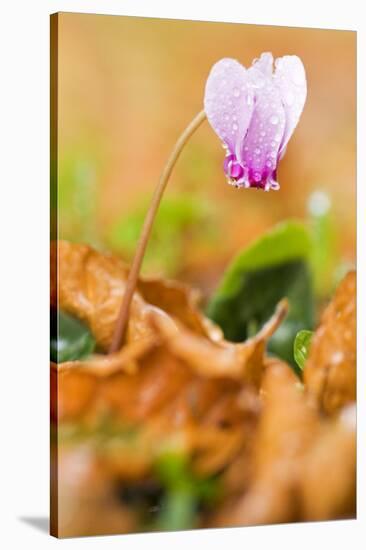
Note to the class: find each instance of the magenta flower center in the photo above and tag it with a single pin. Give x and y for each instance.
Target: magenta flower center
(232, 168)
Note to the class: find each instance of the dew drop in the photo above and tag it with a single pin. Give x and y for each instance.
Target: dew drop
(235, 126)
(263, 133)
(236, 92)
(273, 154)
(269, 163)
(274, 119)
(257, 176)
(257, 151)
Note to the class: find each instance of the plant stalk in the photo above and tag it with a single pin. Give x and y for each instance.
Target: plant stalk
(122, 320)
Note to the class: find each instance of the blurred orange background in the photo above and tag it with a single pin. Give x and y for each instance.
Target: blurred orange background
(128, 86)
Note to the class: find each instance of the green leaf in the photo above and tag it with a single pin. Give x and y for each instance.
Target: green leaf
(302, 346)
(70, 339)
(273, 267)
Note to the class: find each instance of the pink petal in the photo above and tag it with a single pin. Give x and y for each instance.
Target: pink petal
(228, 102)
(290, 80)
(260, 150)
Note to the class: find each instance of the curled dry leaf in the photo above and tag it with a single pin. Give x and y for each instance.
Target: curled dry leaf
(330, 372)
(169, 393)
(174, 344)
(91, 287)
(216, 359)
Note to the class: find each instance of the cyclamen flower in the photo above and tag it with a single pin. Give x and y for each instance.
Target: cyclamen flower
(254, 112)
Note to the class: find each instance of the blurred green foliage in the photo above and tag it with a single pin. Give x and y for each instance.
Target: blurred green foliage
(77, 193)
(182, 221)
(324, 255)
(184, 492)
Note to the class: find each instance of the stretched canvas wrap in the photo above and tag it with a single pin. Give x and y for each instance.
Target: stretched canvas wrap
(203, 284)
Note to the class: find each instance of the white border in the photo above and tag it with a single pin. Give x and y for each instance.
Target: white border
(24, 124)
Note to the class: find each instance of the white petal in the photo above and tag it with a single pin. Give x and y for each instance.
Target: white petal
(228, 102)
(290, 79)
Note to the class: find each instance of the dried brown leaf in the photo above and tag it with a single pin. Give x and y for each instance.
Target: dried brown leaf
(91, 287)
(328, 481)
(330, 372)
(286, 429)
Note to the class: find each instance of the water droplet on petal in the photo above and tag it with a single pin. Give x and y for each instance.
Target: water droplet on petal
(236, 92)
(274, 119)
(235, 126)
(263, 133)
(257, 151)
(257, 176)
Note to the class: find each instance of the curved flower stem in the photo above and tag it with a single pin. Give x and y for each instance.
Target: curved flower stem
(121, 324)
